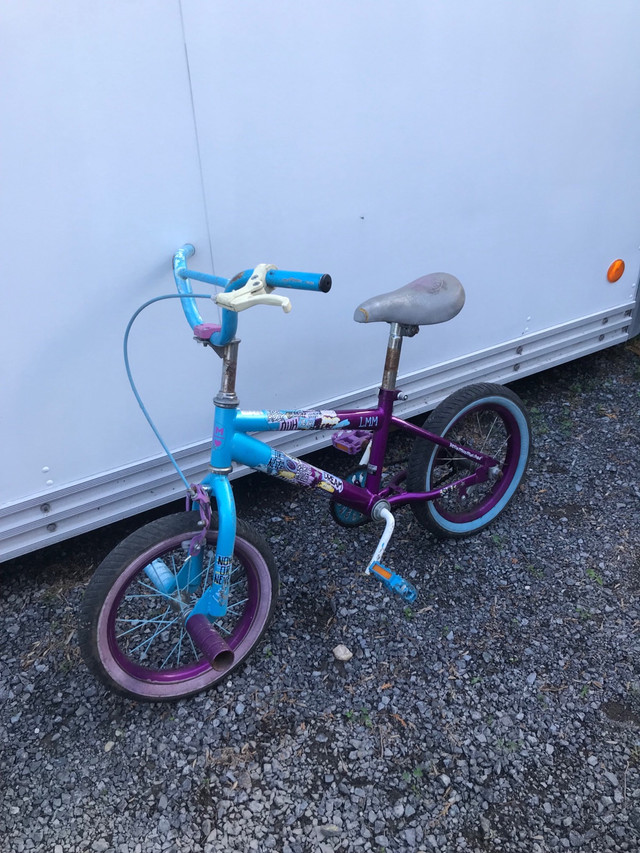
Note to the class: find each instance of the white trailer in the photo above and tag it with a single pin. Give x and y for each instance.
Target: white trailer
(376, 141)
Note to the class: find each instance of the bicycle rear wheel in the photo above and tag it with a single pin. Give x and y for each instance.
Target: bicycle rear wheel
(132, 635)
(489, 418)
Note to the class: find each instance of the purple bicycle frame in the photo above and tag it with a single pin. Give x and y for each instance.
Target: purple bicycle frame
(379, 421)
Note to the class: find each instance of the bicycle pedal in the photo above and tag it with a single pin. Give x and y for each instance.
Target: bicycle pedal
(394, 582)
(351, 441)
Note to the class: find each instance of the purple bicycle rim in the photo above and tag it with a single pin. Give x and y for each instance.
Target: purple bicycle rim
(508, 472)
(198, 668)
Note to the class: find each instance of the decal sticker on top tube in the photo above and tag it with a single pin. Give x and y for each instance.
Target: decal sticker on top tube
(301, 419)
(297, 471)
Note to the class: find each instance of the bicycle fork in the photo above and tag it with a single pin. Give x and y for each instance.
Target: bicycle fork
(212, 604)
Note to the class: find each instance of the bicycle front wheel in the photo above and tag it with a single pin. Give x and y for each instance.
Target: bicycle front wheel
(488, 418)
(132, 634)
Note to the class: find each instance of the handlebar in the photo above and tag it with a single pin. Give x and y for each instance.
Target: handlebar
(256, 286)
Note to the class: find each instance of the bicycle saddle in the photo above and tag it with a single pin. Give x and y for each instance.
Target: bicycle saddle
(433, 298)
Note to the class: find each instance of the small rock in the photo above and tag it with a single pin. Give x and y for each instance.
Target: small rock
(329, 830)
(109, 746)
(342, 653)
(410, 836)
(612, 778)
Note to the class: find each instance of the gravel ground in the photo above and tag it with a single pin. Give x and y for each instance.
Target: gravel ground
(501, 712)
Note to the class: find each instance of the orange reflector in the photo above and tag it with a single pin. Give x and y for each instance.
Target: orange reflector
(381, 570)
(615, 270)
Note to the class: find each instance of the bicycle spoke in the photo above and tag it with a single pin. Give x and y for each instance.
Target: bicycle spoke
(142, 622)
(153, 637)
(174, 571)
(488, 436)
(196, 653)
(205, 583)
(146, 595)
(177, 645)
(232, 607)
(153, 589)
(138, 621)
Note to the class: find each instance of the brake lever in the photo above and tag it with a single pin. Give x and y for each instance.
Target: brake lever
(255, 292)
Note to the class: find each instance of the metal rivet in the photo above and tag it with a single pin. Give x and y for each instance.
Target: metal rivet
(45, 508)
(601, 338)
(516, 367)
(519, 350)
(605, 321)
(52, 527)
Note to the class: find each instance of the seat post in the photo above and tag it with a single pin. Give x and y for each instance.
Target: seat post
(392, 359)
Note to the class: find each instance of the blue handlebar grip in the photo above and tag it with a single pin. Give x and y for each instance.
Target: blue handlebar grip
(299, 280)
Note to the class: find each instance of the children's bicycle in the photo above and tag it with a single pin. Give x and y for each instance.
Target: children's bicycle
(182, 602)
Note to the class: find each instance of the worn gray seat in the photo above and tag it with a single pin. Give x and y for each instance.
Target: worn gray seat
(433, 298)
